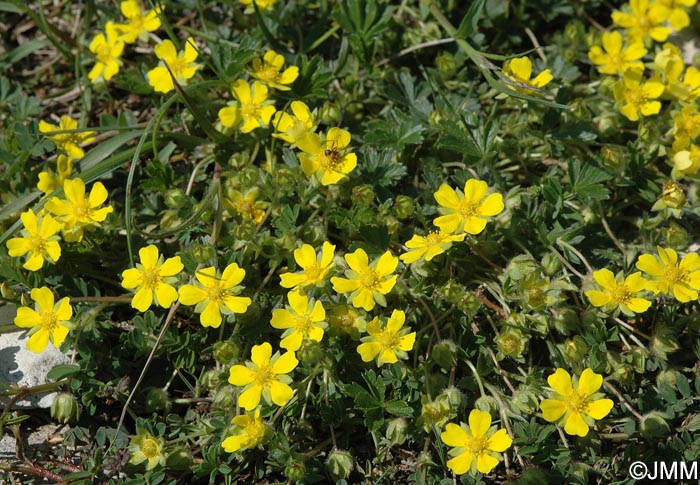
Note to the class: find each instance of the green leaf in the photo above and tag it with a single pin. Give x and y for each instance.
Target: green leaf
(104, 150)
(62, 371)
(468, 24)
(398, 408)
(585, 180)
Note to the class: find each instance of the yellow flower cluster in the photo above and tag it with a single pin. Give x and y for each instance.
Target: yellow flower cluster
(462, 213)
(666, 275)
(108, 46)
(621, 54)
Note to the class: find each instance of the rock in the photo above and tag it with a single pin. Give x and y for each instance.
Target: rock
(22, 367)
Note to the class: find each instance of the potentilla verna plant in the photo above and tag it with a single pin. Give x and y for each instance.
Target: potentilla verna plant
(353, 241)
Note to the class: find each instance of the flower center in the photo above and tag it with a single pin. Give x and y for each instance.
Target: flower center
(621, 294)
(150, 448)
(249, 109)
(389, 340)
(216, 293)
(369, 279)
(433, 238)
(48, 321)
(150, 278)
(104, 53)
(38, 244)
(468, 209)
(255, 430)
(331, 158)
(675, 275)
(268, 73)
(264, 375)
(577, 402)
(478, 445)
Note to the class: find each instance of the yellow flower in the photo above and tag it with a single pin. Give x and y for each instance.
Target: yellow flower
(315, 267)
(181, 65)
(153, 278)
(248, 432)
(303, 321)
(39, 239)
(144, 447)
(677, 16)
(466, 211)
(520, 70)
(644, 21)
(48, 322)
(267, 70)
(367, 283)
(263, 5)
(75, 211)
(389, 343)
(686, 127)
(265, 376)
(247, 204)
(615, 59)
(327, 157)
(686, 162)
(67, 142)
(669, 276)
(108, 48)
(427, 247)
(477, 447)
(618, 293)
(576, 405)
(637, 98)
(292, 128)
(49, 181)
(140, 23)
(214, 294)
(252, 108)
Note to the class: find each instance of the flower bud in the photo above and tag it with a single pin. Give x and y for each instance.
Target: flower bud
(65, 408)
(225, 352)
(664, 340)
(566, 321)
(175, 198)
(362, 195)
(403, 207)
(525, 400)
(392, 224)
(156, 399)
(672, 195)
(295, 471)
(668, 377)
(453, 397)
(25, 300)
(511, 343)
(339, 464)
(676, 236)
(314, 234)
(575, 349)
(446, 64)
(654, 425)
(312, 354)
(179, 459)
(488, 404)
(575, 31)
(551, 264)
(211, 379)
(445, 354)
(397, 431)
(224, 398)
(6, 291)
(203, 253)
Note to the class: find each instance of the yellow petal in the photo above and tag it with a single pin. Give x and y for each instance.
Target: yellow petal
(599, 298)
(479, 422)
(237, 304)
(250, 398)
(142, 300)
(500, 441)
(474, 225)
(492, 205)
(589, 382)
(27, 318)
(599, 408)
(343, 285)
(461, 464)
(240, 375)
(211, 316)
(260, 354)
(454, 435)
(149, 256)
(605, 278)
(44, 298)
(369, 350)
(191, 295)
(485, 462)
(38, 342)
(165, 294)
(171, 267)
(552, 409)
(446, 196)
(286, 363)
(575, 425)
(560, 381)
(280, 393)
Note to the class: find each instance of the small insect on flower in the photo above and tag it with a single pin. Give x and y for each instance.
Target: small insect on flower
(327, 158)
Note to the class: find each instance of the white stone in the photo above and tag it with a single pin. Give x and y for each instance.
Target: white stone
(22, 367)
